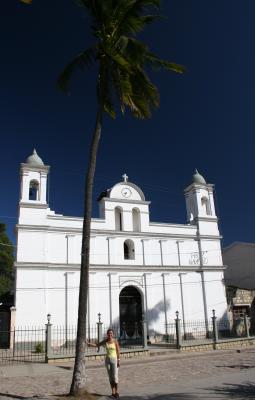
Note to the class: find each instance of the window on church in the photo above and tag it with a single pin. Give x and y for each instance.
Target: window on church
(34, 190)
(118, 219)
(206, 205)
(136, 220)
(129, 250)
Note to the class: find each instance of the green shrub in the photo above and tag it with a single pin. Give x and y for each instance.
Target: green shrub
(39, 348)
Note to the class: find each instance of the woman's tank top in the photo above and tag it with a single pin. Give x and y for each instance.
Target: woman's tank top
(111, 350)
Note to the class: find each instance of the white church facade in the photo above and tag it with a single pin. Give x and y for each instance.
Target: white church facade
(138, 269)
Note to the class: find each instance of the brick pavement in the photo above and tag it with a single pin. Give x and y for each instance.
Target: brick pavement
(142, 375)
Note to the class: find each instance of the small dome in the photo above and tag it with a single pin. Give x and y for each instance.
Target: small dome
(199, 179)
(35, 160)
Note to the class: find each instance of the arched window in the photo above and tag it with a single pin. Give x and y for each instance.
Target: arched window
(136, 220)
(129, 250)
(118, 219)
(34, 190)
(206, 205)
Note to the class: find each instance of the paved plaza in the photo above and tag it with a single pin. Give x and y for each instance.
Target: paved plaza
(169, 376)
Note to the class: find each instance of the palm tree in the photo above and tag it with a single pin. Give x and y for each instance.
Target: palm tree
(122, 80)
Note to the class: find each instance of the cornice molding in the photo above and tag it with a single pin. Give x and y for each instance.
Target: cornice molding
(106, 199)
(113, 268)
(126, 211)
(115, 234)
(208, 218)
(38, 168)
(25, 204)
(196, 186)
(186, 226)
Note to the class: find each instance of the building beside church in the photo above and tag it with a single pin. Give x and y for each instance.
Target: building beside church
(239, 279)
(138, 267)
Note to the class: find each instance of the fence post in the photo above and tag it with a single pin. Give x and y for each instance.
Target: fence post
(12, 328)
(246, 324)
(99, 329)
(178, 330)
(48, 351)
(144, 329)
(215, 330)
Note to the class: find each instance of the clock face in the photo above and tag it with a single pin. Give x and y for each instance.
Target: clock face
(126, 192)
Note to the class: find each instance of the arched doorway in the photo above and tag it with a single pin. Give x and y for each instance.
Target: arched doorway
(130, 302)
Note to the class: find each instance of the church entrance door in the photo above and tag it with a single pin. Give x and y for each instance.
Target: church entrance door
(130, 302)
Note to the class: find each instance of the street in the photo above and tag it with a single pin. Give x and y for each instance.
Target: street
(208, 375)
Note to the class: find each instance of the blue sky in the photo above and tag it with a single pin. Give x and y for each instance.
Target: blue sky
(206, 119)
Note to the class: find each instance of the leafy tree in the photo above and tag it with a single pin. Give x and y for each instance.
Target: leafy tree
(122, 62)
(6, 263)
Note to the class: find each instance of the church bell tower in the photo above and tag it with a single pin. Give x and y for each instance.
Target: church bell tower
(200, 205)
(33, 190)
(34, 181)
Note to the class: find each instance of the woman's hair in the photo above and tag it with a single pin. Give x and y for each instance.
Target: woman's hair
(109, 330)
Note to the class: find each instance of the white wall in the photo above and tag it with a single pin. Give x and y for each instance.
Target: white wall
(49, 245)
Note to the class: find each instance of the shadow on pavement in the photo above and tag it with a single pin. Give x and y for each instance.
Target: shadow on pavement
(174, 396)
(235, 391)
(237, 366)
(13, 396)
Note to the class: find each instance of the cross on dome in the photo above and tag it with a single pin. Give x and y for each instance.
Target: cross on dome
(125, 178)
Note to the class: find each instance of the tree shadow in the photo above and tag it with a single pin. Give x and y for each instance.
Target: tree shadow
(237, 366)
(170, 396)
(13, 396)
(235, 390)
(154, 313)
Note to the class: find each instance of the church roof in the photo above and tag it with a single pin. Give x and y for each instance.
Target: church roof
(34, 160)
(123, 190)
(198, 178)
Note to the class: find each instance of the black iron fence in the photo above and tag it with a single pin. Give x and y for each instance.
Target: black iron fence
(40, 344)
(193, 332)
(24, 344)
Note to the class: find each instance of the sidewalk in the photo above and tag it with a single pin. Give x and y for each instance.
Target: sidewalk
(142, 376)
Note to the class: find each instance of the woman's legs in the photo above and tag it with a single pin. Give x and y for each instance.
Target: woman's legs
(112, 370)
(116, 390)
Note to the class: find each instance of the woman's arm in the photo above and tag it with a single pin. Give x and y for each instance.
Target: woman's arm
(90, 344)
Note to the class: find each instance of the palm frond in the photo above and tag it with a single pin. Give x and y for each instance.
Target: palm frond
(158, 63)
(128, 16)
(82, 61)
(144, 5)
(105, 88)
(135, 91)
(99, 12)
(121, 57)
(122, 86)
(135, 51)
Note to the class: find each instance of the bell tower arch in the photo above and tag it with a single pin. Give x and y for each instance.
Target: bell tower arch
(199, 199)
(33, 175)
(200, 205)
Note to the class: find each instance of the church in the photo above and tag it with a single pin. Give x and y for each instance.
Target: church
(139, 268)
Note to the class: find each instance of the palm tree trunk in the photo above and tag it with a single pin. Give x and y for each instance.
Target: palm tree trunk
(79, 380)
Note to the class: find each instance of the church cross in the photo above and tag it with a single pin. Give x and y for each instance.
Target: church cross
(125, 177)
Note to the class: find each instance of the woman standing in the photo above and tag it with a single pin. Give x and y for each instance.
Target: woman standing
(112, 360)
